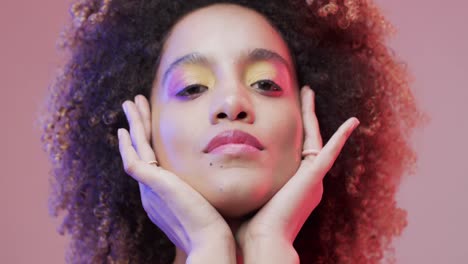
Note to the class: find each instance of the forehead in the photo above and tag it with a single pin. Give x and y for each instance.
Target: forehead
(222, 32)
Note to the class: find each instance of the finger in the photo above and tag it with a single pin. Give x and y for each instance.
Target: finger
(137, 132)
(329, 153)
(145, 114)
(166, 186)
(302, 193)
(313, 139)
(178, 210)
(132, 163)
(171, 200)
(156, 178)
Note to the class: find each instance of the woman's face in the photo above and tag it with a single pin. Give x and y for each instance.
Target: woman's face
(225, 68)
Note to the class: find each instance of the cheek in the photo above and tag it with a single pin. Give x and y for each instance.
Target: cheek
(175, 138)
(287, 127)
(286, 134)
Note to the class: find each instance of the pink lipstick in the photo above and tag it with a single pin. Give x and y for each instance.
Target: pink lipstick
(232, 141)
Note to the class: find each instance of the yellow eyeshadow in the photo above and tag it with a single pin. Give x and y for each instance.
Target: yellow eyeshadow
(260, 70)
(197, 73)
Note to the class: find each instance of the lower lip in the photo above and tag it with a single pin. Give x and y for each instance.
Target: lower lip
(234, 149)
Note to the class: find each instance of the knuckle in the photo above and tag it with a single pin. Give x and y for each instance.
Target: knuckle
(144, 203)
(318, 193)
(320, 190)
(131, 167)
(348, 133)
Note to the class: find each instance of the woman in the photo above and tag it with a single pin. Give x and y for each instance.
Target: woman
(201, 69)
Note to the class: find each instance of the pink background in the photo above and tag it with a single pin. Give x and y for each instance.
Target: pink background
(432, 37)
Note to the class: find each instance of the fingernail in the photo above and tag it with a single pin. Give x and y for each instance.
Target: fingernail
(137, 100)
(307, 87)
(119, 133)
(356, 123)
(124, 106)
(312, 90)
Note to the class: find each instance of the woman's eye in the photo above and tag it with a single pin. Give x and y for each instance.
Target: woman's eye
(267, 85)
(191, 90)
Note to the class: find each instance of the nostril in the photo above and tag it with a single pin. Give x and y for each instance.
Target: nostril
(242, 115)
(221, 115)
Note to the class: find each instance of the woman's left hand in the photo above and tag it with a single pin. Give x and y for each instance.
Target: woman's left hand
(268, 236)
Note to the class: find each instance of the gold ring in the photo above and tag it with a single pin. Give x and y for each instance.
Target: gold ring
(307, 152)
(153, 162)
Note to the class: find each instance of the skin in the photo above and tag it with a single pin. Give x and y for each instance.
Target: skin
(214, 207)
(230, 99)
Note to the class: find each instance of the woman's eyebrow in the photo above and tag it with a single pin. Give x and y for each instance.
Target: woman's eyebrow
(251, 56)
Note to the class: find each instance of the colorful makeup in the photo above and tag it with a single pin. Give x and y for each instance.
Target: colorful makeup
(260, 70)
(190, 74)
(267, 76)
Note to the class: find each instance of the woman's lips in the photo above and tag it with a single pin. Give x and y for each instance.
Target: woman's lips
(232, 141)
(234, 149)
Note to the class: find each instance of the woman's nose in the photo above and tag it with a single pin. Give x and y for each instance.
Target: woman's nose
(231, 104)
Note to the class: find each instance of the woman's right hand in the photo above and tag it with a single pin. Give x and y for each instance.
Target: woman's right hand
(182, 213)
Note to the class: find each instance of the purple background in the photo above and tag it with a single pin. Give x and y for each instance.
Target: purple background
(432, 37)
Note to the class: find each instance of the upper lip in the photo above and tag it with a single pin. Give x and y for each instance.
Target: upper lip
(233, 137)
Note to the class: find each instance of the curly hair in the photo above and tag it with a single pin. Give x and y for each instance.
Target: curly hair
(338, 48)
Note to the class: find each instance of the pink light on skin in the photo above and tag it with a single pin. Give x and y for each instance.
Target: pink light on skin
(231, 70)
(205, 75)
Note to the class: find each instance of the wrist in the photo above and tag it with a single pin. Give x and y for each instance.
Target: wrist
(272, 250)
(213, 251)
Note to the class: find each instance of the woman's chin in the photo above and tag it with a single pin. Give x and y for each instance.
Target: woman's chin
(236, 212)
(236, 206)
(237, 191)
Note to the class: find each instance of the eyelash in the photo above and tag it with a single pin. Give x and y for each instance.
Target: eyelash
(276, 88)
